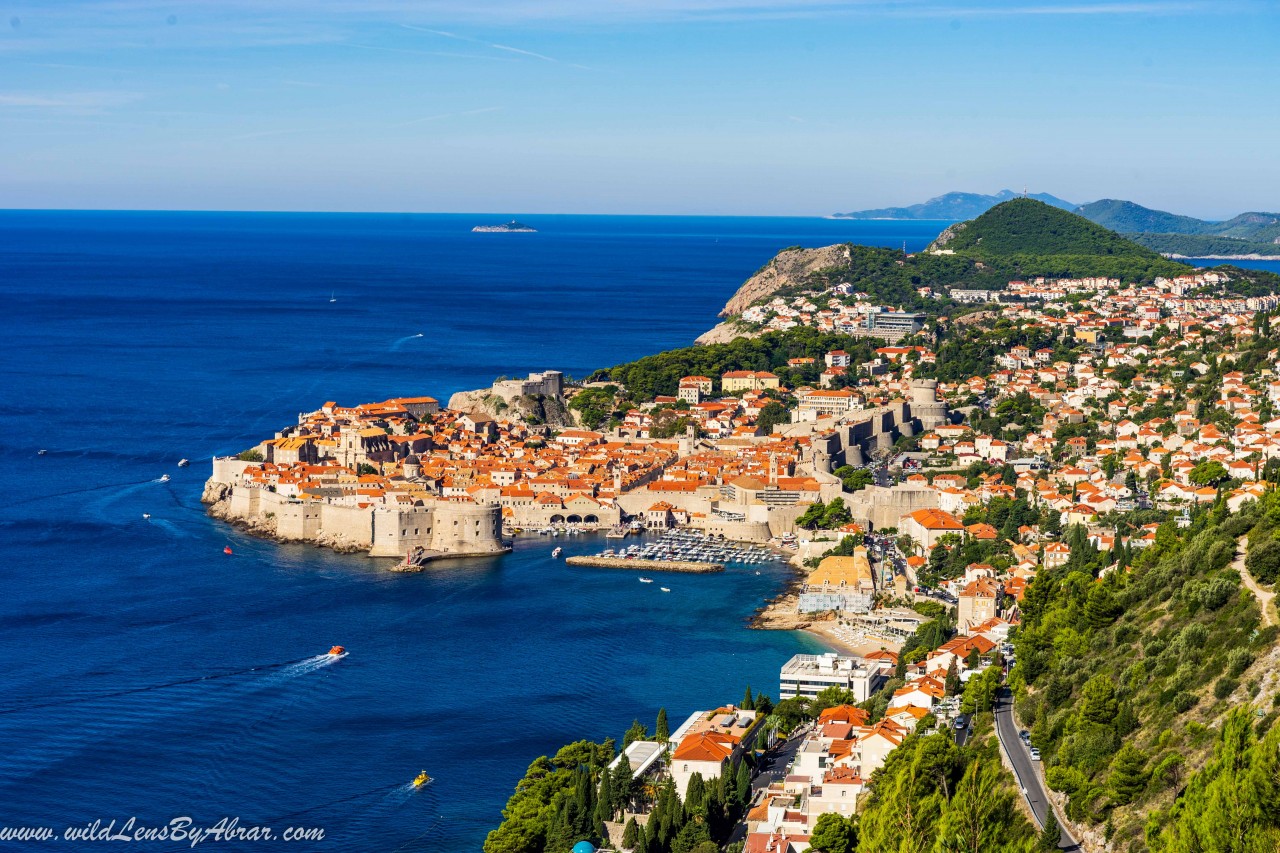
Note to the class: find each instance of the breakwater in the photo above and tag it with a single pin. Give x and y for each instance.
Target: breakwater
(685, 566)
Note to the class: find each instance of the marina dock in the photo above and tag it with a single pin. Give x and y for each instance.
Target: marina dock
(685, 566)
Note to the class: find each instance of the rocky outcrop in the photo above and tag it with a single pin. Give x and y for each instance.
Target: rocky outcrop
(215, 492)
(544, 410)
(724, 332)
(947, 235)
(788, 267)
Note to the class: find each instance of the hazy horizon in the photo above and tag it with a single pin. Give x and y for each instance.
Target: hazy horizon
(667, 107)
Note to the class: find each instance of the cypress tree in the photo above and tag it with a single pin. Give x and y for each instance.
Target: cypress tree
(953, 678)
(742, 786)
(695, 795)
(630, 833)
(748, 704)
(661, 729)
(605, 799)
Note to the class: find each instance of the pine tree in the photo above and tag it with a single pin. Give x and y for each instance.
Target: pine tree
(662, 729)
(633, 734)
(1051, 835)
(1128, 774)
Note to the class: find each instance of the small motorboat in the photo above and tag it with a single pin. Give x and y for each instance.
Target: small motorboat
(41, 452)
(183, 463)
(421, 779)
(646, 580)
(164, 478)
(337, 650)
(665, 588)
(557, 552)
(227, 550)
(146, 516)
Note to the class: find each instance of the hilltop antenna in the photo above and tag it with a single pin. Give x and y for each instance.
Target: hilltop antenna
(1024, 190)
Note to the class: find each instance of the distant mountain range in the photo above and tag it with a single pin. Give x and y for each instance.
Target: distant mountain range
(952, 206)
(1249, 234)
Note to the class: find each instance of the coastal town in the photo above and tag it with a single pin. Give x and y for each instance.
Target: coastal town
(897, 496)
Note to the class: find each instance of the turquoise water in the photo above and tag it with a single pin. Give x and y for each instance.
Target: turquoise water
(130, 340)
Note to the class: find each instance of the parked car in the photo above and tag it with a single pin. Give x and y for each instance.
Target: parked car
(1035, 754)
(961, 722)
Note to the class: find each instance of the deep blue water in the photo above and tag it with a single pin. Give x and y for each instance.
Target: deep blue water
(130, 340)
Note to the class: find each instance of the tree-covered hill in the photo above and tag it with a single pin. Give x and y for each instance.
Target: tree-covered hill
(1122, 680)
(1204, 246)
(1024, 226)
(1129, 218)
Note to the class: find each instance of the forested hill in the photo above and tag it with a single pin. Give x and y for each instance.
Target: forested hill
(1025, 227)
(1148, 687)
(1243, 235)
(1129, 218)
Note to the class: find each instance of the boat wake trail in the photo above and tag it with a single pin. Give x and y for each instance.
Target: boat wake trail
(386, 790)
(131, 486)
(402, 341)
(288, 669)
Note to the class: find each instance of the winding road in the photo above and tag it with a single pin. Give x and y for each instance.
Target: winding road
(1023, 767)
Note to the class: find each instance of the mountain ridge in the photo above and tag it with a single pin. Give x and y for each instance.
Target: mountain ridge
(952, 206)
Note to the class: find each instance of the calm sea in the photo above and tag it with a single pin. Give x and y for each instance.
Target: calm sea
(147, 674)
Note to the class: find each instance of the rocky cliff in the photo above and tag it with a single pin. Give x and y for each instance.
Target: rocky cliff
(788, 267)
(544, 410)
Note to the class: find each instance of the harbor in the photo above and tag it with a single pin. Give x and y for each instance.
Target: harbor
(681, 548)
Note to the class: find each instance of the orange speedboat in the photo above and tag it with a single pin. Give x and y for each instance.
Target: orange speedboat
(337, 650)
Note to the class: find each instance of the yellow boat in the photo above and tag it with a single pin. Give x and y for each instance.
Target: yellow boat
(421, 779)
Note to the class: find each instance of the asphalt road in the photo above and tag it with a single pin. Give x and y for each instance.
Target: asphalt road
(1024, 768)
(773, 768)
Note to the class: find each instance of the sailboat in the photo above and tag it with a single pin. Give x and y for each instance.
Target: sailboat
(333, 296)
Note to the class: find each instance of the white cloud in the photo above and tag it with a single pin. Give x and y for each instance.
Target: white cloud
(68, 100)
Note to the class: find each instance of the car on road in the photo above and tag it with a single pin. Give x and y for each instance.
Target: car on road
(1025, 735)
(1035, 754)
(962, 723)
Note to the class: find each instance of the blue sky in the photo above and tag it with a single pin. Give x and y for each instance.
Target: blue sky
(624, 106)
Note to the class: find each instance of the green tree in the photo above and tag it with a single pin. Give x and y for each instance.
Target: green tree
(1208, 473)
(662, 729)
(748, 703)
(629, 833)
(633, 734)
(834, 834)
(772, 414)
(1051, 835)
(1128, 774)
(1098, 700)
(953, 678)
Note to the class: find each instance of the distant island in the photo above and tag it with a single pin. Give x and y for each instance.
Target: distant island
(513, 226)
(953, 206)
(1249, 236)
